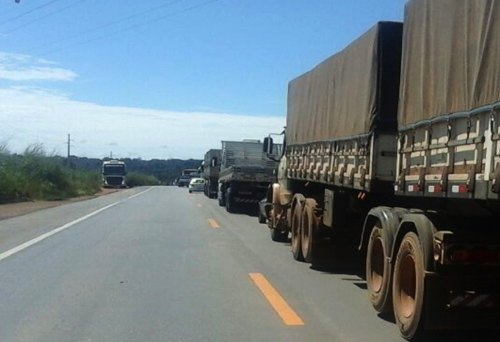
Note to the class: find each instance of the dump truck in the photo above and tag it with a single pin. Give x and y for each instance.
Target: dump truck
(245, 174)
(394, 141)
(114, 174)
(210, 171)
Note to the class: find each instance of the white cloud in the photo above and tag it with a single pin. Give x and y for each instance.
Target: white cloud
(30, 115)
(17, 67)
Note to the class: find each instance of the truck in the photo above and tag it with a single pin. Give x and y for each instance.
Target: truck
(185, 177)
(114, 173)
(245, 174)
(210, 171)
(394, 142)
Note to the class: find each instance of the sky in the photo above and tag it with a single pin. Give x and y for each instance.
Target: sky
(162, 79)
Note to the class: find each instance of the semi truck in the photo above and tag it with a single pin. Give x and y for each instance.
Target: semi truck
(394, 141)
(210, 171)
(114, 173)
(245, 174)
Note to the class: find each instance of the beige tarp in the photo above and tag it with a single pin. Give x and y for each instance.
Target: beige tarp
(451, 58)
(340, 97)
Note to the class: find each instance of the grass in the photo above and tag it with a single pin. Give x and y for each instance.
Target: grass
(36, 176)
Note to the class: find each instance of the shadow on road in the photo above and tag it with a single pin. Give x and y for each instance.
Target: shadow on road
(340, 256)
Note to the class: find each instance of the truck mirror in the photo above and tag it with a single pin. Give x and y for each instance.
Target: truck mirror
(214, 162)
(268, 145)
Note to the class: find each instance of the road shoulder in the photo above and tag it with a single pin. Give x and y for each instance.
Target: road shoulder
(10, 210)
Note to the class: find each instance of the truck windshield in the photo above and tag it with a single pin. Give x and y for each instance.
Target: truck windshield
(114, 170)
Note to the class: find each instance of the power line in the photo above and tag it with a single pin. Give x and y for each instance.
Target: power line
(131, 27)
(44, 17)
(106, 25)
(28, 12)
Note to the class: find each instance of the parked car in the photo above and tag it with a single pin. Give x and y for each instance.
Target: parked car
(196, 184)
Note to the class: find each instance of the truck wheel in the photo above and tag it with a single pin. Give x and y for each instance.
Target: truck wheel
(278, 235)
(229, 201)
(222, 202)
(296, 225)
(378, 271)
(408, 286)
(262, 218)
(308, 237)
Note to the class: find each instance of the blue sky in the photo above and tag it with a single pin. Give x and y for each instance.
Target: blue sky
(162, 78)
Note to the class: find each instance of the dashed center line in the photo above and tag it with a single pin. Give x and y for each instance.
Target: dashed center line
(213, 223)
(287, 314)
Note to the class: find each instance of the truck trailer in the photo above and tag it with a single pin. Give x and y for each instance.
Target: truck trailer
(210, 171)
(245, 174)
(394, 141)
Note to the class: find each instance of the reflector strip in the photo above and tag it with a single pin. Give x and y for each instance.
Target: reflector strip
(473, 300)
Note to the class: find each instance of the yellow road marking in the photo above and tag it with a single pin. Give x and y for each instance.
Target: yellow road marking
(199, 205)
(286, 313)
(213, 223)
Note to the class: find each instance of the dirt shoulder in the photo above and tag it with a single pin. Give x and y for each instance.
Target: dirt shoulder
(17, 209)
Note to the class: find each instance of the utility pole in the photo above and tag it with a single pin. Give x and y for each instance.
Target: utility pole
(69, 149)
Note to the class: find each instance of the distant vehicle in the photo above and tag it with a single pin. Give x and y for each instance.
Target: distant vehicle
(210, 171)
(191, 172)
(196, 184)
(186, 176)
(183, 181)
(114, 174)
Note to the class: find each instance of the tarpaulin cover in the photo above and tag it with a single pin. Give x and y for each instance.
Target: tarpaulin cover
(353, 92)
(451, 58)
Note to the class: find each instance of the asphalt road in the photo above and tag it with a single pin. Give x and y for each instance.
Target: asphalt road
(159, 264)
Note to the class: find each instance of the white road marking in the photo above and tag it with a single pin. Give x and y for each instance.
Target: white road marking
(138, 194)
(42, 237)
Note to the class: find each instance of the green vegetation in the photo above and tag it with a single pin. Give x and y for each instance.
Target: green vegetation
(138, 179)
(165, 171)
(36, 176)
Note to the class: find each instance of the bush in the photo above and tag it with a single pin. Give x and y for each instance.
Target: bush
(36, 176)
(139, 179)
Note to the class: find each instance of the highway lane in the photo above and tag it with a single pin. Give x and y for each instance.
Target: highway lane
(159, 264)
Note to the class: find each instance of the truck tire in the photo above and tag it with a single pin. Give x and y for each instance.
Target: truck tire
(408, 286)
(378, 271)
(308, 236)
(278, 235)
(229, 201)
(262, 218)
(209, 189)
(222, 201)
(296, 227)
